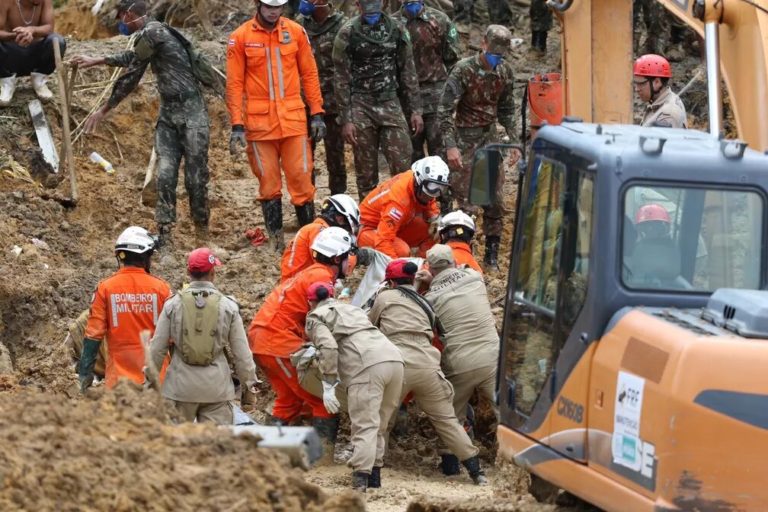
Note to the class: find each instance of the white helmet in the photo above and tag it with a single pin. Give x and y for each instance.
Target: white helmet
(431, 175)
(136, 240)
(332, 242)
(274, 3)
(343, 205)
(456, 218)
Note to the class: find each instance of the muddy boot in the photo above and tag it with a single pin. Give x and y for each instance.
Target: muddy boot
(201, 235)
(374, 479)
(274, 421)
(491, 259)
(400, 429)
(305, 213)
(360, 481)
(449, 464)
(475, 471)
(273, 220)
(326, 428)
(164, 237)
(539, 41)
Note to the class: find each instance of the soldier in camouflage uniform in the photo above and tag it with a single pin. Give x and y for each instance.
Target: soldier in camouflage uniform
(322, 24)
(541, 22)
(479, 91)
(435, 51)
(373, 61)
(182, 128)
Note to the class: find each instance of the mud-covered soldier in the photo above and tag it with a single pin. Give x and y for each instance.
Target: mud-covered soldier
(373, 60)
(436, 49)
(355, 355)
(182, 126)
(26, 46)
(269, 63)
(124, 305)
(408, 321)
(469, 336)
(541, 22)
(663, 108)
(479, 91)
(322, 22)
(200, 325)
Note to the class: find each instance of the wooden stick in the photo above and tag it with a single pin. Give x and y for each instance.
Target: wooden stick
(66, 139)
(71, 84)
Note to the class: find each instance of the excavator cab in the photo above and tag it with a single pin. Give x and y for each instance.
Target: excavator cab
(621, 236)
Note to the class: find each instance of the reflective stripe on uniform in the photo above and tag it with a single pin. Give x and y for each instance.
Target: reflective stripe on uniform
(113, 309)
(282, 366)
(257, 157)
(279, 73)
(269, 76)
(304, 156)
(378, 196)
(154, 309)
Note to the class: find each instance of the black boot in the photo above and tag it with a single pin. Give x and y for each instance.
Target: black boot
(164, 237)
(449, 464)
(326, 428)
(475, 471)
(539, 40)
(305, 213)
(360, 481)
(491, 258)
(374, 479)
(273, 220)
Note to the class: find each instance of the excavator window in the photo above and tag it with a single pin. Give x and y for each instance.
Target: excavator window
(691, 239)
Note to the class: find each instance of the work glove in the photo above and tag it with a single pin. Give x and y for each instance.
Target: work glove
(331, 403)
(434, 225)
(237, 139)
(317, 127)
(365, 256)
(148, 381)
(87, 363)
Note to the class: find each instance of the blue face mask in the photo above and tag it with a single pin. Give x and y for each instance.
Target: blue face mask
(494, 59)
(414, 8)
(123, 28)
(372, 18)
(306, 8)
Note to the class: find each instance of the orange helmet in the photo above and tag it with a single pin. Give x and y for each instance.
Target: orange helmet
(653, 66)
(651, 212)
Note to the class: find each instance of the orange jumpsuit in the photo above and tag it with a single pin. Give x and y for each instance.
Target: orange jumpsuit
(123, 305)
(277, 331)
(392, 220)
(298, 255)
(266, 71)
(462, 254)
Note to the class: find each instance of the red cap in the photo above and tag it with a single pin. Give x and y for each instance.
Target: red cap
(398, 269)
(651, 212)
(202, 260)
(314, 287)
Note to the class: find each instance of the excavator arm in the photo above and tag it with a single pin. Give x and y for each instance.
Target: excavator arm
(597, 58)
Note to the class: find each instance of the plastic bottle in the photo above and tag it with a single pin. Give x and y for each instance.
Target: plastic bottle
(101, 162)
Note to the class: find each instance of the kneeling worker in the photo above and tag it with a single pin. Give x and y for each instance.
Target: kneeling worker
(197, 325)
(368, 365)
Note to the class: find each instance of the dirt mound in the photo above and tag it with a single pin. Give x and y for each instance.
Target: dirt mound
(116, 451)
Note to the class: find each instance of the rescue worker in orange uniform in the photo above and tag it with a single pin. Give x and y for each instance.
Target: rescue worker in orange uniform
(403, 211)
(338, 210)
(123, 305)
(456, 231)
(277, 331)
(269, 61)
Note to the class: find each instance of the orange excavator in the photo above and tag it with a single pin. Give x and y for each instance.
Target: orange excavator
(635, 331)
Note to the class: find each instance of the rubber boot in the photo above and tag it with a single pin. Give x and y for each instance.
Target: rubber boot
(539, 41)
(491, 259)
(201, 235)
(360, 481)
(7, 88)
(475, 471)
(326, 428)
(305, 213)
(374, 479)
(272, 210)
(164, 236)
(400, 429)
(449, 464)
(41, 89)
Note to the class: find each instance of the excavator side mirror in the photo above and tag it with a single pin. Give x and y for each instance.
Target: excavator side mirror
(486, 166)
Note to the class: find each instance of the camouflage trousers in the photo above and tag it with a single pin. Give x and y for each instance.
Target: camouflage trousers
(182, 131)
(541, 16)
(470, 140)
(334, 155)
(431, 135)
(380, 124)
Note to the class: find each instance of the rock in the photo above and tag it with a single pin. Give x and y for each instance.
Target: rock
(6, 365)
(168, 261)
(40, 244)
(18, 195)
(64, 226)
(29, 253)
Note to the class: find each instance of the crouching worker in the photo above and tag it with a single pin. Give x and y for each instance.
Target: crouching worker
(200, 325)
(354, 354)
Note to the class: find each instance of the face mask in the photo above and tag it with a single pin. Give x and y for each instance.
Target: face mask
(306, 8)
(123, 28)
(494, 59)
(413, 8)
(372, 18)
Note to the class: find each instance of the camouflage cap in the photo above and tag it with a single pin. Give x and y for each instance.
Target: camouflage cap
(370, 6)
(440, 256)
(499, 39)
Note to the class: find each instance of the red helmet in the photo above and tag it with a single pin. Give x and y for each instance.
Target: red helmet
(319, 291)
(400, 269)
(651, 212)
(653, 66)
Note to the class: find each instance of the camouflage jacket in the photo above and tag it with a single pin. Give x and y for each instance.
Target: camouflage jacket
(321, 37)
(154, 45)
(376, 62)
(436, 49)
(479, 97)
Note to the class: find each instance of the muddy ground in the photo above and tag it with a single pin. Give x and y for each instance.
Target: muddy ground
(116, 451)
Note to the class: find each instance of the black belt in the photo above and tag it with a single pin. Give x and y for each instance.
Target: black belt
(178, 98)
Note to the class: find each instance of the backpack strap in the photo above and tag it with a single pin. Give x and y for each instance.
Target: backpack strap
(434, 322)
